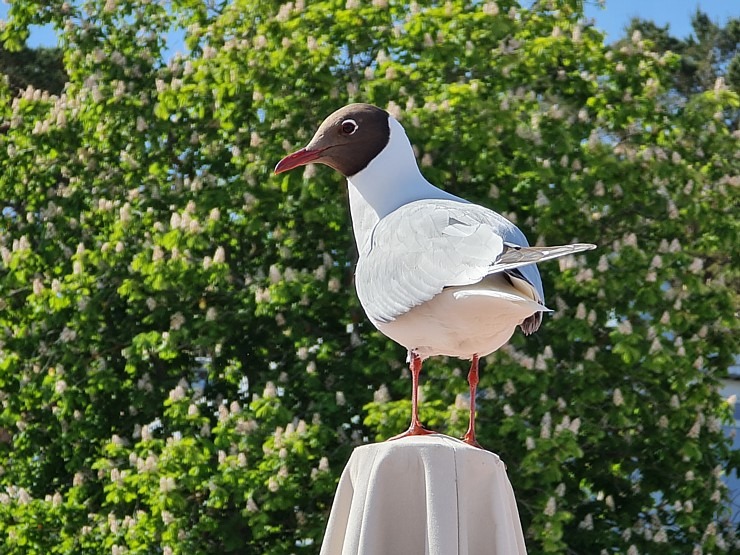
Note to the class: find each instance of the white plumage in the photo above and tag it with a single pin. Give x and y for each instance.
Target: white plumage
(436, 273)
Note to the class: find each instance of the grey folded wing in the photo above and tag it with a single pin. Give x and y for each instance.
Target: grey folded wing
(425, 246)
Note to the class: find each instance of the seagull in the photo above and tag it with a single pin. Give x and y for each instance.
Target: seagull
(436, 273)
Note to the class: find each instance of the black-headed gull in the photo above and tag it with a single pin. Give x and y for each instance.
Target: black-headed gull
(436, 273)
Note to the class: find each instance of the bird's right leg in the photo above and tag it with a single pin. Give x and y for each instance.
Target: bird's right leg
(469, 436)
(415, 428)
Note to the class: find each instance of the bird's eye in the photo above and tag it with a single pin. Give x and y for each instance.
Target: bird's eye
(349, 126)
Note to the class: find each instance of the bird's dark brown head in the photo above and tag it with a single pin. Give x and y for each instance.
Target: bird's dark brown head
(347, 140)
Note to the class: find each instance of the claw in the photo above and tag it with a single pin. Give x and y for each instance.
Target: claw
(416, 429)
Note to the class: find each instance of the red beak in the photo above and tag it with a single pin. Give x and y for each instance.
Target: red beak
(299, 158)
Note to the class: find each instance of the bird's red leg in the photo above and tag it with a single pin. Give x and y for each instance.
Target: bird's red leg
(416, 428)
(469, 436)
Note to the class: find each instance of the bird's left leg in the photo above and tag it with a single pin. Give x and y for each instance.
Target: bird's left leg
(469, 436)
(415, 428)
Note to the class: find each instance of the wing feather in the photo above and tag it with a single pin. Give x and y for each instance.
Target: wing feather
(515, 256)
(424, 246)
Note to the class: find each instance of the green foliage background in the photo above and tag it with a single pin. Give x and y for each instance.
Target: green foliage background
(184, 366)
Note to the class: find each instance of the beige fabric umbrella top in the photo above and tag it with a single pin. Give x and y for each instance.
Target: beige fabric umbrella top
(425, 495)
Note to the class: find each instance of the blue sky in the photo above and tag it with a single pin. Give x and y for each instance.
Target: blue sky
(676, 13)
(612, 19)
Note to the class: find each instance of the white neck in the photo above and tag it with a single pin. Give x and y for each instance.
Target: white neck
(391, 180)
